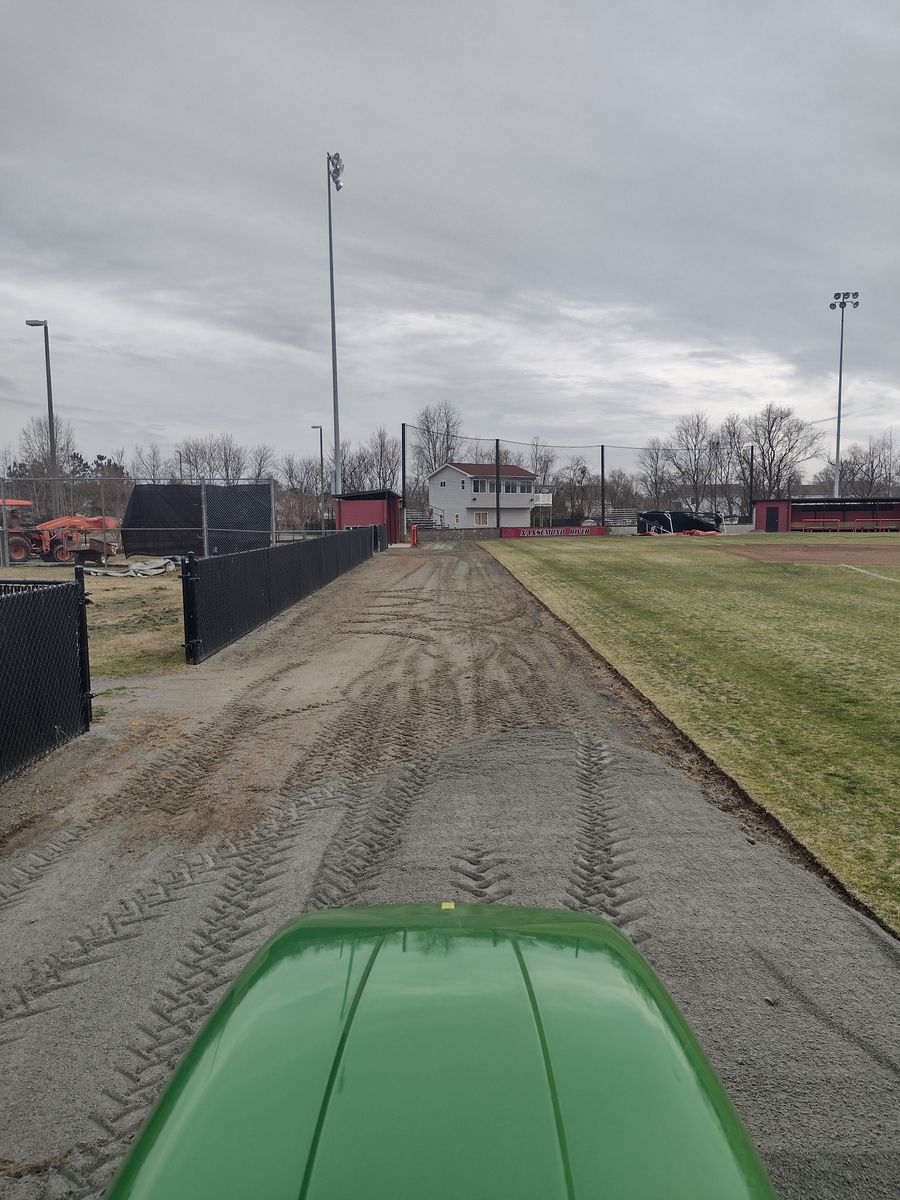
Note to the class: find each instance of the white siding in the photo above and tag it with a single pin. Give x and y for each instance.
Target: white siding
(457, 502)
(450, 501)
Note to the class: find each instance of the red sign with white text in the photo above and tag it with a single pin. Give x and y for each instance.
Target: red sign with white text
(557, 531)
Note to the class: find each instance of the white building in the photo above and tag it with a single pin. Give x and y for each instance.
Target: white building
(464, 496)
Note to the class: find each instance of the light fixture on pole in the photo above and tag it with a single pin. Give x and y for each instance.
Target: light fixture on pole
(51, 426)
(334, 167)
(841, 300)
(321, 478)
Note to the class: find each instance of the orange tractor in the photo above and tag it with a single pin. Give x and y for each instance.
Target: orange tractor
(74, 539)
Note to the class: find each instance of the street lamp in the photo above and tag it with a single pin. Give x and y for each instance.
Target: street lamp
(321, 477)
(334, 167)
(841, 300)
(54, 495)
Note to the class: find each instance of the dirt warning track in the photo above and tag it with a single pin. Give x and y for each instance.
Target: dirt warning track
(420, 730)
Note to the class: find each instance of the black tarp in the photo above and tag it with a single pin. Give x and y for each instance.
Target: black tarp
(670, 521)
(167, 518)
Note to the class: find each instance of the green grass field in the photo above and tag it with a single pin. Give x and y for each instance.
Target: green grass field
(134, 625)
(787, 675)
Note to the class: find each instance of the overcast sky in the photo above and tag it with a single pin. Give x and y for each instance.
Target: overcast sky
(571, 219)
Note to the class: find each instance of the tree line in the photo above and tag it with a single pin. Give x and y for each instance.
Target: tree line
(700, 466)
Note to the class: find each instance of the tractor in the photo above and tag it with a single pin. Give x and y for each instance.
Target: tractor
(61, 540)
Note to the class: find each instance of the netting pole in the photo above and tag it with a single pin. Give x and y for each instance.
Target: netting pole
(403, 475)
(203, 519)
(750, 488)
(272, 510)
(497, 477)
(602, 485)
(4, 534)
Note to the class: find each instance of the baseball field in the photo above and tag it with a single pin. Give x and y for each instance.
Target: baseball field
(777, 654)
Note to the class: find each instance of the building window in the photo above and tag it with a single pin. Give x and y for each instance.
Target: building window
(462, 484)
(509, 487)
(443, 483)
(479, 485)
(481, 518)
(525, 487)
(493, 486)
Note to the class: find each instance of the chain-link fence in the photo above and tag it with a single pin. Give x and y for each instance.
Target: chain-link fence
(45, 695)
(455, 481)
(226, 597)
(94, 518)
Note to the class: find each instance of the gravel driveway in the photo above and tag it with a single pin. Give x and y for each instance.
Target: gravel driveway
(420, 730)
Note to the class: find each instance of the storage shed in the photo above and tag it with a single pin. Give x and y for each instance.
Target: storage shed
(369, 508)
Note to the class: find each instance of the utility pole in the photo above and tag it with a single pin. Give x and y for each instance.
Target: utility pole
(51, 426)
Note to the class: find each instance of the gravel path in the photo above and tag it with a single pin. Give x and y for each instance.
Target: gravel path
(420, 730)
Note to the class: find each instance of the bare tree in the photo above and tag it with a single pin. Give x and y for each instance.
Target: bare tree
(216, 457)
(783, 443)
(356, 468)
(151, 465)
(541, 460)
(622, 490)
(384, 457)
(572, 488)
(260, 462)
(298, 497)
(654, 473)
(34, 446)
(438, 436)
(688, 458)
(866, 471)
(232, 457)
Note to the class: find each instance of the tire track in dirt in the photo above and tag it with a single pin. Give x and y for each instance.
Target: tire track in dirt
(131, 916)
(96, 943)
(22, 877)
(603, 879)
(369, 835)
(480, 874)
(214, 952)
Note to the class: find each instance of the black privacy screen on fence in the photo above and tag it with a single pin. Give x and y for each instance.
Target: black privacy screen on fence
(227, 596)
(170, 518)
(45, 685)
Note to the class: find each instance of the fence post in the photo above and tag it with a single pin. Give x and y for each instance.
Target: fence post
(189, 608)
(272, 539)
(602, 485)
(84, 661)
(104, 534)
(203, 519)
(4, 527)
(497, 477)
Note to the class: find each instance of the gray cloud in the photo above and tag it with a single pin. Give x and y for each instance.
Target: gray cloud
(570, 219)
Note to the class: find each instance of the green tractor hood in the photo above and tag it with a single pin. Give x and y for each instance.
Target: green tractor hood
(444, 1053)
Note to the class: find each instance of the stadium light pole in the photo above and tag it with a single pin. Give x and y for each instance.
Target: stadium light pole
(841, 300)
(321, 477)
(51, 428)
(334, 167)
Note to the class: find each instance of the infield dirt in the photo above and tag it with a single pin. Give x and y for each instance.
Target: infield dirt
(420, 730)
(871, 549)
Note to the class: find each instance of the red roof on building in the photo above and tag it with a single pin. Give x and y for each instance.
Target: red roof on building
(489, 471)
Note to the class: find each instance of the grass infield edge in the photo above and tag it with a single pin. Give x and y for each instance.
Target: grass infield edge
(773, 824)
